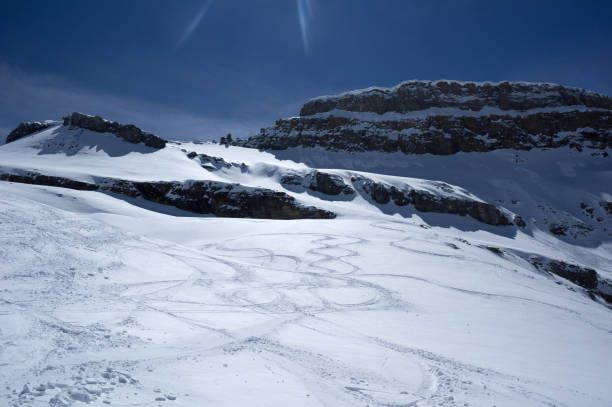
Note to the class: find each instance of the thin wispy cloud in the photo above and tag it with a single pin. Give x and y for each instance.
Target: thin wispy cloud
(304, 16)
(191, 27)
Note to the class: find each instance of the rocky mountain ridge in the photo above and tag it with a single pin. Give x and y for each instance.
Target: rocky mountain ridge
(26, 128)
(126, 132)
(441, 118)
(420, 95)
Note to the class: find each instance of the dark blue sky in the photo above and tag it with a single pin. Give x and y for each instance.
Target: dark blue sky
(245, 63)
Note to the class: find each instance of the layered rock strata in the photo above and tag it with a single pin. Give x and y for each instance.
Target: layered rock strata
(446, 117)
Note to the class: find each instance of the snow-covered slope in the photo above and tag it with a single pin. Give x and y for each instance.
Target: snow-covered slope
(421, 280)
(101, 160)
(104, 301)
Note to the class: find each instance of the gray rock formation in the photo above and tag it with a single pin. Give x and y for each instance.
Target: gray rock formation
(426, 202)
(419, 95)
(584, 277)
(333, 185)
(127, 132)
(441, 135)
(35, 178)
(27, 128)
(205, 197)
(211, 163)
(328, 184)
(351, 121)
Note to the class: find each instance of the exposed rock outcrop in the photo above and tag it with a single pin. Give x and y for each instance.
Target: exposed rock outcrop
(441, 135)
(584, 277)
(426, 202)
(419, 95)
(35, 178)
(328, 184)
(334, 185)
(470, 117)
(127, 132)
(221, 199)
(218, 198)
(27, 128)
(212, 163)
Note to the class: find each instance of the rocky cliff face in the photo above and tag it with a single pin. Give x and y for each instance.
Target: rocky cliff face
(419, 95)
(26, 128)
(585, 277)
(447, 117)
(205, 197)
(426, 202)
(127, 132)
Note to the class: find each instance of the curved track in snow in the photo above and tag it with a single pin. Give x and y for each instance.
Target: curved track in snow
(312, 313)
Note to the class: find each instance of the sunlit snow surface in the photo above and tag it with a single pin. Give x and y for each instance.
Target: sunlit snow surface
(106, 302)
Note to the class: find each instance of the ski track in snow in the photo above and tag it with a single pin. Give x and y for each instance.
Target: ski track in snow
(84, 321)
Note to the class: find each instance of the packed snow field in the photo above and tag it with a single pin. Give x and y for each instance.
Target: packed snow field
(123, 305)
(109, 300)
